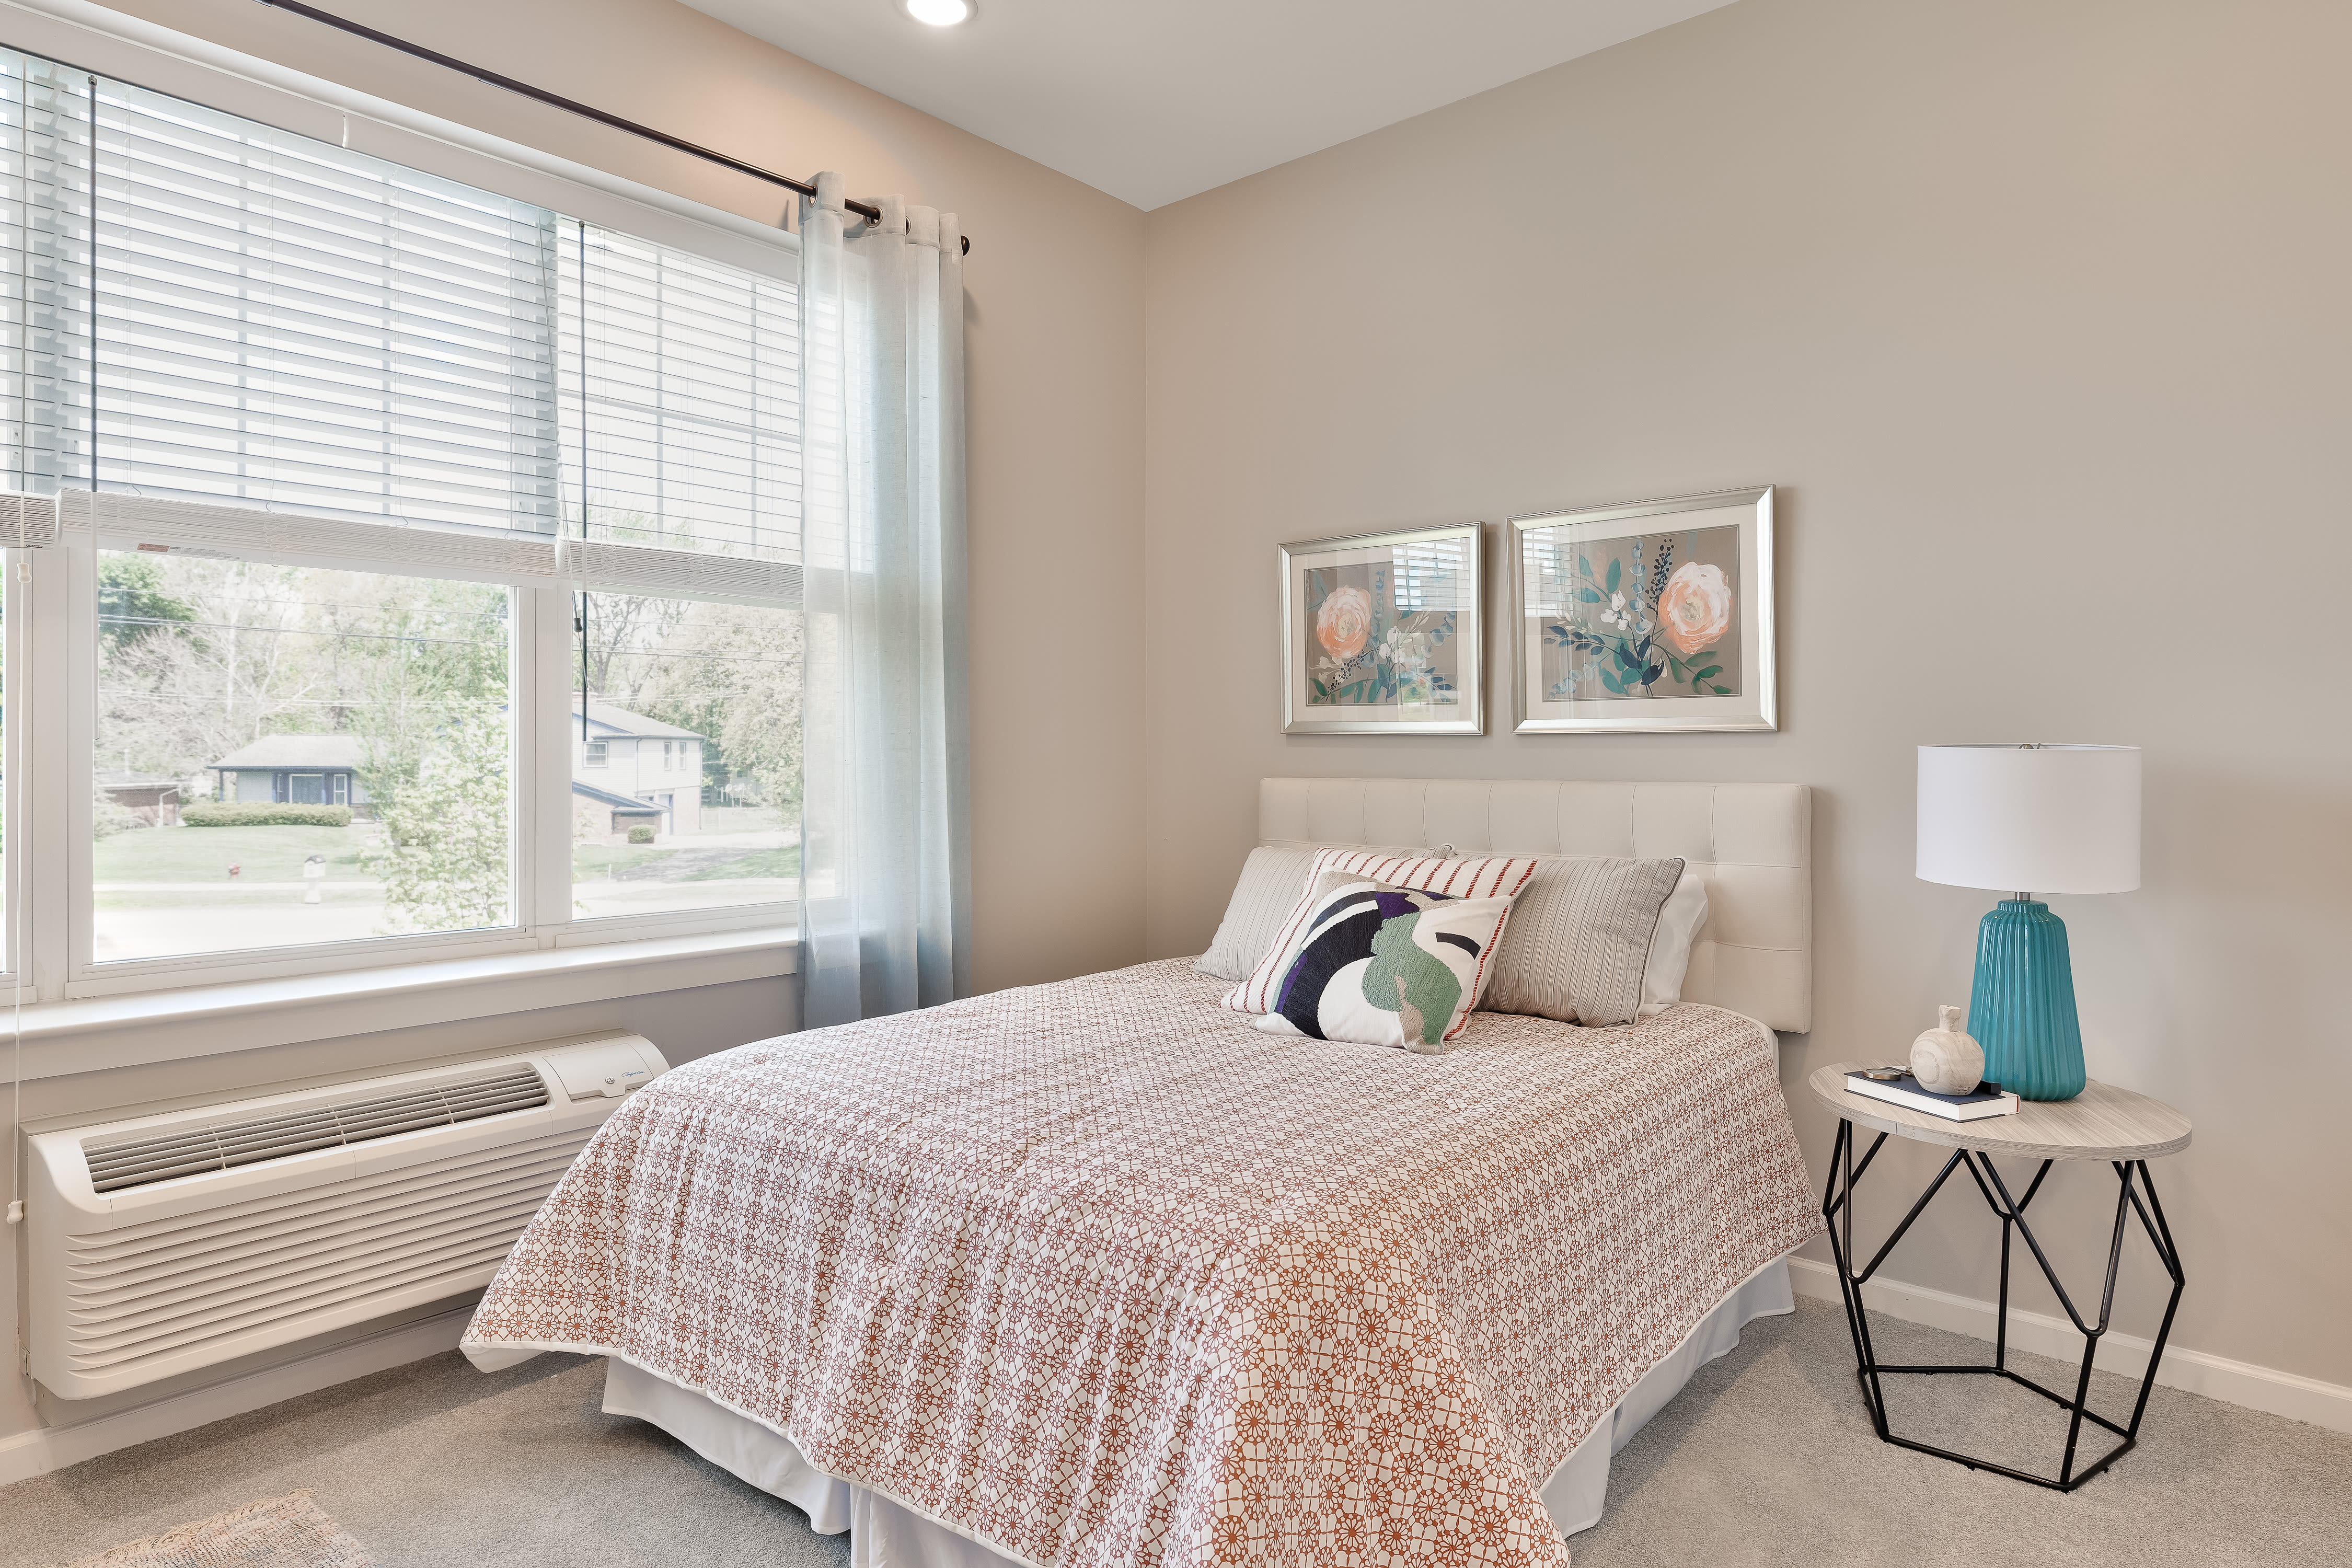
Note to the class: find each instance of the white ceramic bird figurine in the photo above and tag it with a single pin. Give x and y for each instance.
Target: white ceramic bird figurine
(1945, 1060)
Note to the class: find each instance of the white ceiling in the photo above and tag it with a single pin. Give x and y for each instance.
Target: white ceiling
(1156, 102)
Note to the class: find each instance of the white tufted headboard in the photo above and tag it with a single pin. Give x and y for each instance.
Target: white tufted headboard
(1753, 843)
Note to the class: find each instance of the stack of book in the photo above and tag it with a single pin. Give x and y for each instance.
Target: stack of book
(1985, 1099)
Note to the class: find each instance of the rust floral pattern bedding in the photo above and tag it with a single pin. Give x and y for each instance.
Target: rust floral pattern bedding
(1098, 1274)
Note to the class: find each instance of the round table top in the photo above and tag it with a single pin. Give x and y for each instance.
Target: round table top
(2103, 1122)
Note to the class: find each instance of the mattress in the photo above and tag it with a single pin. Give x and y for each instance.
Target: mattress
(1096, 1273)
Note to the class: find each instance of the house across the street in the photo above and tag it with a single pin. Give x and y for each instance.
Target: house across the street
(294, 770)
(640, 761)
(629, 771)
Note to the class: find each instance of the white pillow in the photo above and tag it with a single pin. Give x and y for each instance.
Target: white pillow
(1679, 920)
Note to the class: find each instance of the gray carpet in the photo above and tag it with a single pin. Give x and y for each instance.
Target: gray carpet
(1765, 1459)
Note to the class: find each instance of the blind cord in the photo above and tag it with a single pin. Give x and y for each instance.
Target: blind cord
(582, 253)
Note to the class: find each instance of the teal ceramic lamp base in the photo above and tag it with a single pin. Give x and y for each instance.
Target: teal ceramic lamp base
(2021, 1006)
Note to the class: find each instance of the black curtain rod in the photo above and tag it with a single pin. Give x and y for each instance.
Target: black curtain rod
(542, 95)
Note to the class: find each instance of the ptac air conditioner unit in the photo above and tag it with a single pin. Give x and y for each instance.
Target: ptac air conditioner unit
(168, 1243)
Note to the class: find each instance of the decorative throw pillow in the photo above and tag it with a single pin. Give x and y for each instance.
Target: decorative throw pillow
(1580, 942)
(1269, 886)
(1485, 877)
(1384, 966)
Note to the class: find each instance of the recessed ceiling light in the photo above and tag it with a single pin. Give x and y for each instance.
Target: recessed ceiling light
(939, 13)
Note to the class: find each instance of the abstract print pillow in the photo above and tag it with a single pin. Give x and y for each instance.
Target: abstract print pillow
(1384, 966)
(1485, 877)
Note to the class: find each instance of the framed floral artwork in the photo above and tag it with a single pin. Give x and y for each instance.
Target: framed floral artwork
(1653, 617)
(1381, 634)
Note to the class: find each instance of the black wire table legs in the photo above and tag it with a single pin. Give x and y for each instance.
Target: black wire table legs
(2135, 1195)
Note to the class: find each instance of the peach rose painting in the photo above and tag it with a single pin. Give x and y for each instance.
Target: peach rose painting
(1649, 616)
(1381, 634)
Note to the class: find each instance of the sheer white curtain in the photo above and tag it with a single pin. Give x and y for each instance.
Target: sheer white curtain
(884, 900)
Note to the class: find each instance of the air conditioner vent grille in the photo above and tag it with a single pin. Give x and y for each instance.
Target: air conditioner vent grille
(139, 1162)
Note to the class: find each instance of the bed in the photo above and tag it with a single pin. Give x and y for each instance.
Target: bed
(1096, 1273)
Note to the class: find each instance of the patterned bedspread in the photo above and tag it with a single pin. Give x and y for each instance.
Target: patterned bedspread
(1096, 1273)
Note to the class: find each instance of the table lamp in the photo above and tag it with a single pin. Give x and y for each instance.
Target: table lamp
(2054, 819)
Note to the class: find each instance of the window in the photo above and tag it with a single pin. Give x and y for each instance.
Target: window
(270, 676)
(729, 674)
(338, 451)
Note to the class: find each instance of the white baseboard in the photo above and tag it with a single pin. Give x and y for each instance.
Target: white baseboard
(2328, 1404)
(46, 1448)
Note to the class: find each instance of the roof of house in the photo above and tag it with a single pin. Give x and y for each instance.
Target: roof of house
(615, 720)
(618, 801)
(116, 778)
(295, 751)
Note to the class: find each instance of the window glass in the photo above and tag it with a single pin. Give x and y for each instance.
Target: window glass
(287, 756)
(686, 793)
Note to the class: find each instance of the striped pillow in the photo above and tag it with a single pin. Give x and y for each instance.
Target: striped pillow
(1581, 937)
(1264, 896)
(1488, 877)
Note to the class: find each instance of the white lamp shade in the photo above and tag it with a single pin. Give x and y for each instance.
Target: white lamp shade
(2038, 819)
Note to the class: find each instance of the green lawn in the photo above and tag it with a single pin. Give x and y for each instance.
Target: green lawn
(206, 853)
(592, 862)
(679, 863)
(783, 862)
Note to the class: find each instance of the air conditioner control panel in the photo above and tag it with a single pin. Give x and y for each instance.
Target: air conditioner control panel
(607, 1069)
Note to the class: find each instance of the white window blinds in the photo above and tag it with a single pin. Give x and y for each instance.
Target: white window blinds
(681, 381)
(227, 338)
(283, 322)
(44, 276)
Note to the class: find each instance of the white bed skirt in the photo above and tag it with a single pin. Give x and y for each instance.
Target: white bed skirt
(886, 1534)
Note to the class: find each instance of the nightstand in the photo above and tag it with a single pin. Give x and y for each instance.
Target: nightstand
(2124, 1130)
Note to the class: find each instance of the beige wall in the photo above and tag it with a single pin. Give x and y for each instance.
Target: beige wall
(1054, 324)
(2039, 314)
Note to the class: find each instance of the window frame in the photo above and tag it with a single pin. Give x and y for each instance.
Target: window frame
(17, 715)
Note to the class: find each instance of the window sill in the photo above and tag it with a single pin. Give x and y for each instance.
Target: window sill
(101, 1033)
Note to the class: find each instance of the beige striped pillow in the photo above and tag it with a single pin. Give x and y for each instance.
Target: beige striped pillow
(1482, 876)
(1272, 879)
(1580, 941)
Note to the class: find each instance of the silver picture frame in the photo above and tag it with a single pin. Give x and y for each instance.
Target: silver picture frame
(1670, 646)
(1424, 586)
